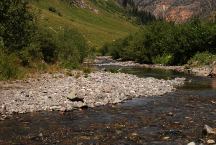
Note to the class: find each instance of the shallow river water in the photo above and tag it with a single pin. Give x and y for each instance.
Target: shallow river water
(172, 119)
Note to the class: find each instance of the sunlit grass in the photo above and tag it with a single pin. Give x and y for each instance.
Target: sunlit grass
(96, 28)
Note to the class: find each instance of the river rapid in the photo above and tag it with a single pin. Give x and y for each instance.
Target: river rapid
(171, 119)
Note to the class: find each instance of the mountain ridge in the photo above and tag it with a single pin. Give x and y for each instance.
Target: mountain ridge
(174, 10)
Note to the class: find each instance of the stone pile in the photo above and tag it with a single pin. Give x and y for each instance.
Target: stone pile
(62, 93)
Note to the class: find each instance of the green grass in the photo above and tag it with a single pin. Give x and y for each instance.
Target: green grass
(97, 29)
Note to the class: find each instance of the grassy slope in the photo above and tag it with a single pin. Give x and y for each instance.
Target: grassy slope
(105, 26)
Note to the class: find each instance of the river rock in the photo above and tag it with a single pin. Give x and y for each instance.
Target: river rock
(213, 71)
(71, 95)
(62, 93)
(191, 143)
(207, 130)
(210, 141)
(200, 71)
(166, 138)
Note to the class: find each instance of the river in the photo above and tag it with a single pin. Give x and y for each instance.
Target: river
(171, 119)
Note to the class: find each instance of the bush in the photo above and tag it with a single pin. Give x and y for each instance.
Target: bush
(142, 17)
(66, 47)
(72, 48)
(48, 46)
(9, 68)
(166, 43)
(54, 10)
(24, 45)
(17, 33)
(204, 58)
(104, 50)
(1, 43)
(17, 27)
(165, 59)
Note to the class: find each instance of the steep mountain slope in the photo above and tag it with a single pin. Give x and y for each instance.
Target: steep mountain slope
(99, 21)
(175, 10)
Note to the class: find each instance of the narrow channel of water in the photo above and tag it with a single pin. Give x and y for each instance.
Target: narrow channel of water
(172, 119)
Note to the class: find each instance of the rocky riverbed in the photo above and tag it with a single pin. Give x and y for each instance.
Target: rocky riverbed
(198, 71)
(59, 92)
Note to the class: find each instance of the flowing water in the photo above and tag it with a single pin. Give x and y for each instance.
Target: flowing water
(172, 119)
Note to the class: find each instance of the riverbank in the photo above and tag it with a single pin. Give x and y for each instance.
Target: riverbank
(198, 71)
(60, 92)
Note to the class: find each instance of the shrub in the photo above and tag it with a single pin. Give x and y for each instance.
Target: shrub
(165, 59)
(52, 9)
(142, 17)
(1, 43)
(204, 58)
(66, 47)
(24, 45)
(166, 43)
(72, 48)
(104, 50)
(17, 27)
(9, 68)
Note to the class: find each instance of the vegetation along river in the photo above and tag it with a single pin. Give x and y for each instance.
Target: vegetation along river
(171, 119)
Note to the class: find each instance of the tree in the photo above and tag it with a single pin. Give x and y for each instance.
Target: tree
(17, 24)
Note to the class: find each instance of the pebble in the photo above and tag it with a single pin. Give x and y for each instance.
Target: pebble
(191, 143)
(134, 134)
(210, 141)
(166, 138)
(40, 135)
(60, 93)
(207, 130)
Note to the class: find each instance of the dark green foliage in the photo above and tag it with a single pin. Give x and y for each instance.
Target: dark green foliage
(17, 32)
(24, 45)
(72, 48)
(104, 50)
(110, 5)
(204, 58)
(17, 24)
(8, 66)
(54, 10)
(166, 43)
(67, 47)
(49, 51)
(143, 17)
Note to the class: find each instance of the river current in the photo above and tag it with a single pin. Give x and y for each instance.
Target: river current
(171, 119)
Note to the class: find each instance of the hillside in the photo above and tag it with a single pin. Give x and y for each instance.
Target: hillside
(99, 21)
(175, 10)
